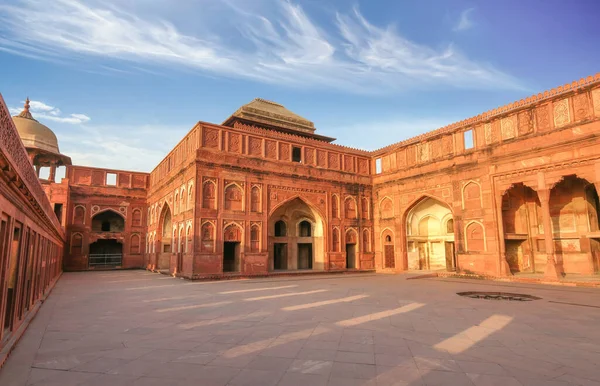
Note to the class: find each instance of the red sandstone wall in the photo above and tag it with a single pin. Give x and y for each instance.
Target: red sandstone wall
(89, 196)
(536, 142)
(31, 239)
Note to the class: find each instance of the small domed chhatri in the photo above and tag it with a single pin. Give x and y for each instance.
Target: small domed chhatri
(40, 142)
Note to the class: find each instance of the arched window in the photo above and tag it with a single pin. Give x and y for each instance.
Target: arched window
(208, 195)
(255, 199)
(350, 208)
(280, 229)
(336, 240)
(305, 229)
(76, 244)
(134, 245)
(190, 199)
(207, 233)
(450, 226)
(233, 198)
(388, 239)
(255, 238)
(79, 215)
(365, 208)
(136, 218)
(387, 208)
(182, 200)
(176, 203)
(366, 242)
(188, 244)
(335, 205)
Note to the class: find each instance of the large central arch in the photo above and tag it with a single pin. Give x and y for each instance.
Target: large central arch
(296, 237)
(430, 236)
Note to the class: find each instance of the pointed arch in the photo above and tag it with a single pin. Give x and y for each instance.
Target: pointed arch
(256, 199)
(209, 194)
(234, 197)
(366, 240)
(335, 239)
(76, 243)
(176, 202)
(386, 207)
(471, 195)
(136, 218)
(255, 238)
(389, 249)
(134, 244)
(207, 235)
(335, 206)
(365, 208)
(475, 240)
(182, 199)
(79, 214)
(190, 195)
(350, 207)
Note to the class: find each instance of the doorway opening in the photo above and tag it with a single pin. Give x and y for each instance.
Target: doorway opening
(106, 253)
(305, 256)
(231, 256)
(280, 256)
(350, 256)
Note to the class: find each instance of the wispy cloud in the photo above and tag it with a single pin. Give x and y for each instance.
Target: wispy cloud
(284, 47)
(464, 22)
(43, 111)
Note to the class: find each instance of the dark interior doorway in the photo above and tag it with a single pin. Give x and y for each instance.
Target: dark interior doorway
(231, 252)
(350, 256)
(305, 256)
(280, 256)
(13, 277)
(106, 253)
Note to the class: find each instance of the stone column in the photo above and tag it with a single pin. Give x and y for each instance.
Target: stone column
(551, 271)
(52, 175)
(504, 268)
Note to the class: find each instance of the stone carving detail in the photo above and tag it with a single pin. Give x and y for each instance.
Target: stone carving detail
(487, 129)
(496, 131)
(525, 119)
(411, 156)
(436, 149)
(321, 158)
(447, 145)
(596, 101)
(348, 163)
(235, 143)
(309, 156)
(561, 112)
(423, 152)
(271, 149)
(508, 127)
(543, 117)
(385, 163)
(284, 152)
(254, 146)
(334, 161)
(581, 106)
(232, 233)
(211, 138)
(363, 166)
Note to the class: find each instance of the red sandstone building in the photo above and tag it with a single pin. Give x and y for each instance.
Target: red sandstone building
(513, 190)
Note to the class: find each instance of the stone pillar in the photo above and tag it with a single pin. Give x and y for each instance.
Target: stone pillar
(551, 271)
(52, 175)
(503, 268)
(37, 171)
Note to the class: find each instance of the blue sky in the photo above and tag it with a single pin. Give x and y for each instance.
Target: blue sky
(121, 81)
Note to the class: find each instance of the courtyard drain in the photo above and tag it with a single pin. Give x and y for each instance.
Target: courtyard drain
(498, 296)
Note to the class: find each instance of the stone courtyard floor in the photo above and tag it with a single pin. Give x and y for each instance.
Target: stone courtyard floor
(139, 328)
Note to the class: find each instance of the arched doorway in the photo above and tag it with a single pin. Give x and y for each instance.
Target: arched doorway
(521, 220)
(574, 210)
(106, 253)
(389, 256)
(232, 247)
(351, 249)
(295, 235)
(165, 229)
(430, 236)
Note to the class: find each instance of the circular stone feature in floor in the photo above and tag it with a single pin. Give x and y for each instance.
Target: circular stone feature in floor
(498, 296)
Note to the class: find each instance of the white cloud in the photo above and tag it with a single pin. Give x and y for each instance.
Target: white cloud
(136, 148)
(41, 111)
(464, 22)
(285, 48)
